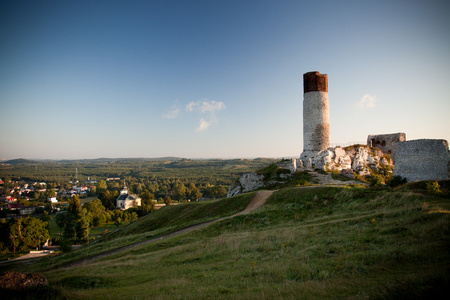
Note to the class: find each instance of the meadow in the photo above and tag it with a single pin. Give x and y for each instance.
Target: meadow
(304, 243)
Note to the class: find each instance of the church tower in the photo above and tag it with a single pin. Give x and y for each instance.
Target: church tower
(124, 190)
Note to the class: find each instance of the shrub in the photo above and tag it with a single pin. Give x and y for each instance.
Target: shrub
(433, 187)
(375, 181)
(397, 181)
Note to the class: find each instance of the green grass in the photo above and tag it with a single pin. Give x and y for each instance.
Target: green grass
(55, 230)
(163, 221)
(304, 243)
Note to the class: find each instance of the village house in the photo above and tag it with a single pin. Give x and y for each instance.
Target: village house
(7, 199)
(52, 199)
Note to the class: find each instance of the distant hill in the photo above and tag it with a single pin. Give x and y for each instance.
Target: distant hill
(93, 160)
(20, 161)
(105, 159)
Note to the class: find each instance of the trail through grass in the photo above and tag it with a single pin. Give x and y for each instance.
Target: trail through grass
(304, 243)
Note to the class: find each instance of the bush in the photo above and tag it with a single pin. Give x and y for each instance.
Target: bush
(375, 181)
(397, 181)
(433, 187)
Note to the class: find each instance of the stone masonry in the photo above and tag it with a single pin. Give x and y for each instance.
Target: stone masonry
(316, 115)
(386, 142)
(424, 159)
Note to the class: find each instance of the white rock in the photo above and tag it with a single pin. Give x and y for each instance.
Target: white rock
(323, 159)
(251, 181)
(307, 163)
(299, 164)
(290, 164)
(235, 189)
(339, 152)
(345, 162)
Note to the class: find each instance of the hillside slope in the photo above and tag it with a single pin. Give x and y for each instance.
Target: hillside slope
(304, 243)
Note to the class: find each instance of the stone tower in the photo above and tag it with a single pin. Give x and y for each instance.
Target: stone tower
(316, 115)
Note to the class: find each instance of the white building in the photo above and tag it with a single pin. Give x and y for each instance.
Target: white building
(125, 200)
(52, 199)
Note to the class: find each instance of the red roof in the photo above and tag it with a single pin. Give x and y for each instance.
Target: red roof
(14, 205)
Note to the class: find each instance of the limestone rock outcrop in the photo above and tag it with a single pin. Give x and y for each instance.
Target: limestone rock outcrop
(252, 181)
(361, 159)
(246, 183)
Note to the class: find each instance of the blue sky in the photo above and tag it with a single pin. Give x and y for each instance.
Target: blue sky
(208, 79)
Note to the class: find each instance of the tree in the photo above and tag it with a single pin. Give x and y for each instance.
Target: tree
(167, 200)
(179, 190)
(194, 192)
(97, 210)
(28, 233)
(15, 233)
(92, 191)
(83, 224)
(101, 186)
(109, 199)
(133, 217)
(35, 232)
(69, 232)
(50, 193)
(74, 205)
(222, 192)
(153, 187)
(61, 222)
(118, 217)
(46, 218)
(147, 204)
(36, 195)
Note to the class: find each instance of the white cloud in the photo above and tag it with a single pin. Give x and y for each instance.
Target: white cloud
(173, 113)
(367, 102)
(203, 125)
(201, 107)
(206, 106)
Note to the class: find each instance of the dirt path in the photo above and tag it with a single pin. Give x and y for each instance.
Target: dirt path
(258, 201)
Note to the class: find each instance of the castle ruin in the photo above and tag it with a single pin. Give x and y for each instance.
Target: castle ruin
(386, 142)
(425, 159)
(316, 116)
(414, 160)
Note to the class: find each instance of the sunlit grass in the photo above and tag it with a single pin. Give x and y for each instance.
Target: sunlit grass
(304, 243)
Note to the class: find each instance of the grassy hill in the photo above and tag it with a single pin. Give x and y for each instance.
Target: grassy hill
(310, 242)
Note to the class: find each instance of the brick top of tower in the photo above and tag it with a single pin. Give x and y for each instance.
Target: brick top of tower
(314, 81)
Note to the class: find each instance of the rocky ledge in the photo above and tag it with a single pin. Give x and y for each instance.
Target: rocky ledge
(360, 159)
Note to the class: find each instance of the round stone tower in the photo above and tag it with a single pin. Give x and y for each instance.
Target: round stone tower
(316, 115)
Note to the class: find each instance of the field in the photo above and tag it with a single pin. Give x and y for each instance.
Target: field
(213, 171)
(312, 242)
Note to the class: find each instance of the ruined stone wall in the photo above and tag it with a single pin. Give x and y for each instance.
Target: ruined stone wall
(424, 159)
(316, 114)
(386, 142)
